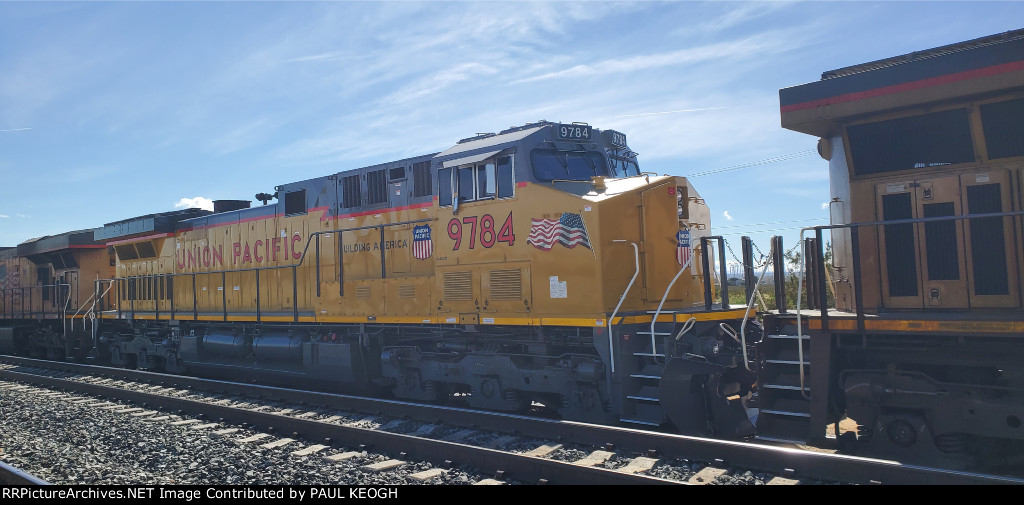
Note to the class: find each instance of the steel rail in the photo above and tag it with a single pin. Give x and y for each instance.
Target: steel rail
(792, 462)
(511, 466)
(11, 476)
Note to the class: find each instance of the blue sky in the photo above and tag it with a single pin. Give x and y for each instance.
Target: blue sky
(110, 110)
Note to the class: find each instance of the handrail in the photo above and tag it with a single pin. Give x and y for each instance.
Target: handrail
(636, 272)
(746, 312)
(294, 267)
(654, 347)
(856, 226)
(42, 306)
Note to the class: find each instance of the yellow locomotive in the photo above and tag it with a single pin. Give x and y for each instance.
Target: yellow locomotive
(537, 265)
(923, 347)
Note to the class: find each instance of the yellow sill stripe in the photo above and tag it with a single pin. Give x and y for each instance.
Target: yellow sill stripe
(922, 326)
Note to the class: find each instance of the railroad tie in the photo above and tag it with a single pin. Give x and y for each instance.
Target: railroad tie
(782, 481)
(639, 465)
(158, 418)
(128, 410)
(707, 475)
(393, 424)
(425, 430)
(344, 456)
(225, 431)
(277, 443)
(595, 458)
(283, 412)
(500, 441)
(543, 450)
(144, 413)
(426, 475)
(313, 449)
(384, 465)
(203, 426)
(459, 435)
(304, 415)
(489, 482)
(184, 422)
(258, 436)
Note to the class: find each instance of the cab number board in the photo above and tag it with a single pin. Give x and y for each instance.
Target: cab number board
(574, 132)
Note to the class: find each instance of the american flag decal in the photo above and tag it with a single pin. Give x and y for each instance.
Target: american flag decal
(422, 246)
(682, 247)
(567, 230)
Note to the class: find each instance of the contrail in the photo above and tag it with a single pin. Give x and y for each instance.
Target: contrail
(671, 112)
(15, 130)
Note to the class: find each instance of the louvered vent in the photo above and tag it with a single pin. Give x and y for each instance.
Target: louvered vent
(458, 286)
(363, 292)
(407, 291)
(506, 284)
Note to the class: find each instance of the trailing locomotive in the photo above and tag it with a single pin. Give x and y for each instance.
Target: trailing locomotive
(924, 347)
(537, 265)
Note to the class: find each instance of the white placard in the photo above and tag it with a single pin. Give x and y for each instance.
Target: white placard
(557, 288)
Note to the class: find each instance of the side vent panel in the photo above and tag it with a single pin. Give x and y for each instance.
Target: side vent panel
(506, 284)
(458, 286)
(406, 291)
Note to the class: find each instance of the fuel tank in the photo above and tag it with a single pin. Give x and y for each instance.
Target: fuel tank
(278, 346)
(226, 344)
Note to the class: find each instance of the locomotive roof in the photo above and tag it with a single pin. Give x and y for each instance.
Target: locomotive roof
(489, 141)
(149, 223)
(985, 65)
(51, 243)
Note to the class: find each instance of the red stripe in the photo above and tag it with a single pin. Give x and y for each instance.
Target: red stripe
(521, 184)
(392, 209)
(909, 86)
(138, 239)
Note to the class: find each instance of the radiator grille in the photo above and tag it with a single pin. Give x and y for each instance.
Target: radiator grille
(458, 286)
(506, 284)
(363, 292)
(407, 291)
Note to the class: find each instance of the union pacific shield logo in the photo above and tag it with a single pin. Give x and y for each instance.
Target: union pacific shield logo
(422, 246)
(682, 247)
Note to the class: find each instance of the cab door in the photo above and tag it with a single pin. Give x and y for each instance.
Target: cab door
(943, 270)
(991, 252)
(897, 245)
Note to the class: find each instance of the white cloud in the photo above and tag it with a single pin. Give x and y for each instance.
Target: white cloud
(5, 216)
(727, 216)
(824, 206)
(199, 202)
(23, 215)
(757, 45)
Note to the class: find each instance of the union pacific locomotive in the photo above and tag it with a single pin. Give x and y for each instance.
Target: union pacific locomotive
(923, 348)
(533, 267)
(540, 266)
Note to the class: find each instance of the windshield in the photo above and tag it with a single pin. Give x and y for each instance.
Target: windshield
(549, 165)
(623, 167)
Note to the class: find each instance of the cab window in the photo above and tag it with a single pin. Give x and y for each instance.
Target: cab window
(550, 165)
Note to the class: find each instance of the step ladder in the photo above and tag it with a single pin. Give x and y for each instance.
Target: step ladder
(785, 411)
(641, 403)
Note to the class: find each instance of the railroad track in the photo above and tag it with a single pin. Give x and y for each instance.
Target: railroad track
(506, 448)
(11, 476)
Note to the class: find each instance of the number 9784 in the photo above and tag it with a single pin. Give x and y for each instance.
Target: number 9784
(480, 229)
